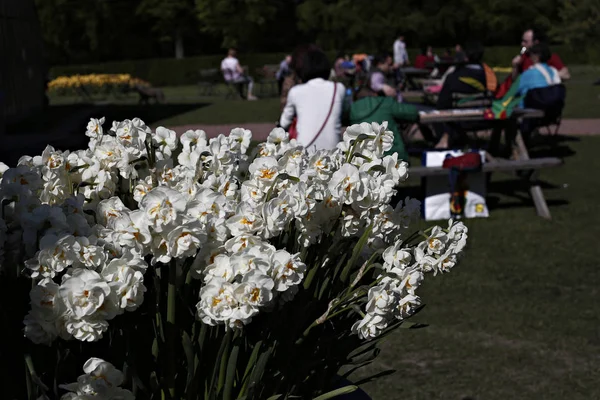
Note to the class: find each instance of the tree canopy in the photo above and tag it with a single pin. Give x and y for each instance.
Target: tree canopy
(103, 30)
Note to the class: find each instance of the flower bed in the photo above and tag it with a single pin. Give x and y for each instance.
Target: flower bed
(94, 84)
(203, 269)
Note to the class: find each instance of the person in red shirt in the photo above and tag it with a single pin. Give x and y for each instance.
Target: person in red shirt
(523, 62)
(426, 59)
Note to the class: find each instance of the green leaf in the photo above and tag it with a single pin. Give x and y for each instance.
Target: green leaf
(231, 370)
(253, 358)
(356, 253)
(223, 362)
(189, 355)
(337, 392)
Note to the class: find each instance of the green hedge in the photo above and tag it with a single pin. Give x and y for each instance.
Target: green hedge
(172, 72)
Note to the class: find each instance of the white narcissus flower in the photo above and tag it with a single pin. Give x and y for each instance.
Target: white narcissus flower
(370, 326)
(94, 128)
(381, 300)
(217, 302)
(245, 221)
(127, 285)
(278, 136)
(83, 292)
(255, 291)
(240, 139)
(184, 242)
(162, 207)
(86, 329)
(288, 270)
(45, 302)
(346, 184)
(264, 170)
(396, 258)
(220, 268)
(166, 141)
(193, 139)
(101, 381)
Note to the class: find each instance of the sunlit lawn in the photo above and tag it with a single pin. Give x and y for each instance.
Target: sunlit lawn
(520, 317)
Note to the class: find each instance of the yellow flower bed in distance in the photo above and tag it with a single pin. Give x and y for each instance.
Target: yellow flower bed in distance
(95, 83)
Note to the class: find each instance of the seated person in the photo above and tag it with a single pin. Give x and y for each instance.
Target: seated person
(473, 78)
(377, 79)
(371, 107)
(426, 59)
(470, 78)
(540, 74)
(234, 73)
(523, 62)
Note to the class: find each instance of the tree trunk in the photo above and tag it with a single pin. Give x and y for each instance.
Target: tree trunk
(178, 45)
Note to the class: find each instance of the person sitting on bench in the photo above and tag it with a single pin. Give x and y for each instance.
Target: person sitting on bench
(233, 73)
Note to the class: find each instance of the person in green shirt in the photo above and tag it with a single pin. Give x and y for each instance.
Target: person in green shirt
(376, 102)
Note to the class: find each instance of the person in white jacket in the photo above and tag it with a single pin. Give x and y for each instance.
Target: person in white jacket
(316, 103)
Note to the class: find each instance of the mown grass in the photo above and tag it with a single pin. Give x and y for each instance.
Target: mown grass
(519, 318)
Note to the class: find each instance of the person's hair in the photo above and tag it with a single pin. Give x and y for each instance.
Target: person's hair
(474, 52)
(380, 59)
(542, 51)
(315, 64)
(538, 34)
(298, 56)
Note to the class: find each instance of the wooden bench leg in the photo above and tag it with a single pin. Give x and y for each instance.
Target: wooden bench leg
(535, 190)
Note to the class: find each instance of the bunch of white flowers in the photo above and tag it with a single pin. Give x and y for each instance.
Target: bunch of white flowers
(395, 298)
(251, 226)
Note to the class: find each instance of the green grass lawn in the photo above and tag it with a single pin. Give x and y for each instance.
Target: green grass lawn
(519, 318)
(185, 105)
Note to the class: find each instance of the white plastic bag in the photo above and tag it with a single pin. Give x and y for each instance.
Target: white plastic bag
(437, 190)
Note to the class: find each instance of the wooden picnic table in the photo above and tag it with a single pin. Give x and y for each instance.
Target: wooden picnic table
(494, 164)
(411, 74)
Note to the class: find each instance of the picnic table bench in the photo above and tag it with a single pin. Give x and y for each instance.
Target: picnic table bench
(522, 163)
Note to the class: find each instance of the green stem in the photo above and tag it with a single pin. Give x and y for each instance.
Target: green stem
(171, 331)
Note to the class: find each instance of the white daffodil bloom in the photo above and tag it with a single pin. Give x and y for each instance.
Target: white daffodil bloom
(436, 242)
(94, 128)
(370, 326)
(346, 184)
(252, 258)
(86, 329)
(166, 141)
(83, 292)
(162, 207)
(184, 242)
(240, 139)
(288, 270)
(381, 300)
(396, 258)
(217, 302)
(245, 221)
(220, 268)
(190, 140)
(127, 284)
(45, 302)
(264, 170)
